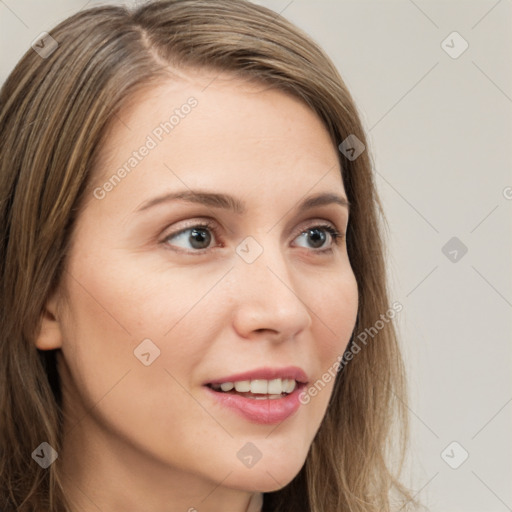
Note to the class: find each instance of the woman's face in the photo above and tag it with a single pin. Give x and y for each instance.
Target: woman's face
(162, 306)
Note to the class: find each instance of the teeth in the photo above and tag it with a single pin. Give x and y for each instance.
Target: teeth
(275, 387)
(290, 385)
(243, 386)
(259, 386)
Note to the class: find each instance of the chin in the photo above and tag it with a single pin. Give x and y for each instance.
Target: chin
(270, 476)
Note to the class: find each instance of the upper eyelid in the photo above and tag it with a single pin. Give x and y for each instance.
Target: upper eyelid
(212, 224)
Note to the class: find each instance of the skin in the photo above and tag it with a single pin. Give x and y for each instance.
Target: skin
(150, 438)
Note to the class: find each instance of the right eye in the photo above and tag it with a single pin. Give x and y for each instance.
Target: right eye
(194, 238)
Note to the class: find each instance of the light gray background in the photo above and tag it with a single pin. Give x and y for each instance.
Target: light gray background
(440, 133)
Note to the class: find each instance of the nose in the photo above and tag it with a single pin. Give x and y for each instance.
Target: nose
(268, 303)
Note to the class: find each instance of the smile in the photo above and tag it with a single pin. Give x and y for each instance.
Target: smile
(275, 388)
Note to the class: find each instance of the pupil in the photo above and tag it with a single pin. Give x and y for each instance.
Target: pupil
(200, 237)
(316, 235)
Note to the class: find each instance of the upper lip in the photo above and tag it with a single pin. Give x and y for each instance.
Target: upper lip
(266, 373)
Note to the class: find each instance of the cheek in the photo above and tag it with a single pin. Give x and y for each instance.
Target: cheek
(336, 315)
(149, 405)
(114, 311)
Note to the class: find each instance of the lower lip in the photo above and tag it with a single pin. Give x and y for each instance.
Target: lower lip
(266, 411)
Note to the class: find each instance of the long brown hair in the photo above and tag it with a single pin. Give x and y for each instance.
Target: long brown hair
(54, 113)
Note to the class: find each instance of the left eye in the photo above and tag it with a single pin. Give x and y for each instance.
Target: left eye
(318, 235)
(199, 237)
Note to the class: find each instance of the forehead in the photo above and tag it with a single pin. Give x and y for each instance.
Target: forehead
(217, 127)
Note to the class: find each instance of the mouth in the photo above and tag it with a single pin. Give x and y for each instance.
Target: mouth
(258, 389)
(258, 400)
(269, 382)
(265, 395)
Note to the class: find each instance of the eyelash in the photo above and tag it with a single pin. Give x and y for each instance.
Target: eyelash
(336, 236)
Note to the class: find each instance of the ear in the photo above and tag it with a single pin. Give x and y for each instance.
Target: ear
(50, 332)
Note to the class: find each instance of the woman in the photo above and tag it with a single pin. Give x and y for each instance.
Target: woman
(189, 248)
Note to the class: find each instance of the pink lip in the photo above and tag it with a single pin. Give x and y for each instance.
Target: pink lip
(288, 372)
(266, 411)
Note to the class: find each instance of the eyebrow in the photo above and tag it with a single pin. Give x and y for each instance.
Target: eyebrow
(231, 203)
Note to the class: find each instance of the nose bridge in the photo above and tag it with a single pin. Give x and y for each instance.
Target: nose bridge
(268, 298)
